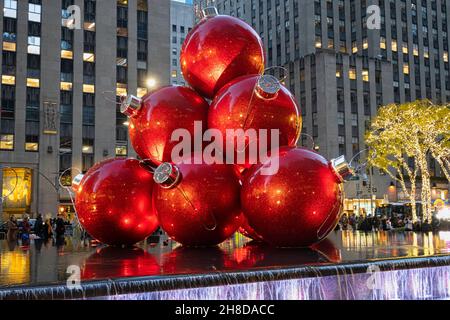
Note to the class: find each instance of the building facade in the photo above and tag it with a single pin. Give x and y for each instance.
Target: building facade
(64, 65)
(182, 22)
(344, 59)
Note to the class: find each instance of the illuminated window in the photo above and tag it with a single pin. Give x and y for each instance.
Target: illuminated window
(365, 75)
(66, 54)
(416, 50)
(330, 43)
(66, 86)
(11, 80)
(142, 5)
(122, 62)
(426, 54)
(10, 9)
(445, 56)
(89, 57)
(32, 146)
(121, 151)
(141, 92)
(121, 89)
(9, 46)
(352, 73)
(365, 44)
(88, 149)
(394, 45)
(34, 12)
(406, 69)
(88, 88)
(338, 74)
(383, 43)
(33, 83)
(122, 32)
(89, 26)
(7, 142)
(174, 73)
(34, 49)
(355, 48)
(318, 42)
(35, 41)
(405, 49)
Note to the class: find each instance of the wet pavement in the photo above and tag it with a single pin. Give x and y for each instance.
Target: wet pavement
(47, 263)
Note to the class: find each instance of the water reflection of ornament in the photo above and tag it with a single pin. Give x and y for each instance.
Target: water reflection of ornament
(113, 262)
(194, 260)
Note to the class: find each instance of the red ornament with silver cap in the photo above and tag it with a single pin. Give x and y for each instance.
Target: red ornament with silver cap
(300, 204)
(218, 50)
(256, 102)
(155, 117)
(197, 204)
(113, 201)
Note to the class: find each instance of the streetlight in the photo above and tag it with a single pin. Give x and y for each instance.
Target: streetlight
(358, 171)
(151, 83)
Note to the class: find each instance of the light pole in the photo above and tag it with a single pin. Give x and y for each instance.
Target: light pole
(358, 169)
(314, 146)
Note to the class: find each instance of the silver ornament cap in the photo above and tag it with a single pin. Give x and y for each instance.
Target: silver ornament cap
(130, 105)
(167, 175)
(210, 12)
(342, 168)
(268, 86)
(76, 182)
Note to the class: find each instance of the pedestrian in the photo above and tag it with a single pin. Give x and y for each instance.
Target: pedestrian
(26, 230)
(389, 225)
(47, 230)
(384, 224)
(13, 229)
(426, 226)
(344, 222)
(435, 223)
(409, 224)
(60, 227)
(39, 226)
(376, 223)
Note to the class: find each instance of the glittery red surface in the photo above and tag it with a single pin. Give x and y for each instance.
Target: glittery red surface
(218, 50)
(204, 208)
(114, 202)
(163, 112)
(237, 106)
(299, 205)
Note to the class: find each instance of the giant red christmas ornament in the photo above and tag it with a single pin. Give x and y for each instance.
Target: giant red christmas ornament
(114, 202)
(218, 50)
(155, 117)
(300, 204)
(255, 102)
(197, 204)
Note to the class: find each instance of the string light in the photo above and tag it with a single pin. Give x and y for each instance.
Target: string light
(405, 138)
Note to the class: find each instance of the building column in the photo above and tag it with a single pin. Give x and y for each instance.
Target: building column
(105, 73)
(132, 61)
(77, 109)
(2, 215)
(1, 168)
(158, 41)
(50, 98)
